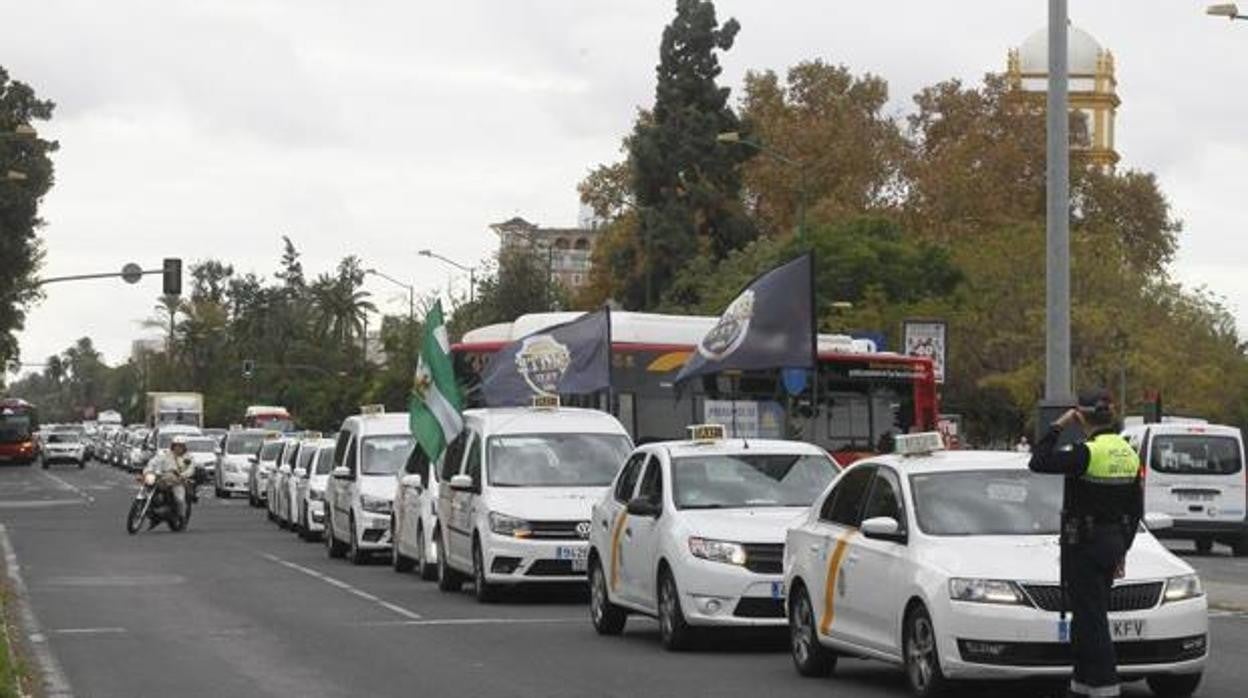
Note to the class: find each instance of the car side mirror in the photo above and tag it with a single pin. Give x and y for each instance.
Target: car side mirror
(461, 482)
(642, 506)
(412, 481)
(1157, 521)
(284, 470)
(253, 460)
(883, 528)
(342, 472)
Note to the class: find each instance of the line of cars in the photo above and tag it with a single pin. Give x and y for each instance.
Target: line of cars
(943, 563)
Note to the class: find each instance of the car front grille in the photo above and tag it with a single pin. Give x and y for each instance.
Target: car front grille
(552, 568)
(559, 530)
(1038, 654)
(759, 607)
(1126, 597)
(764, 558)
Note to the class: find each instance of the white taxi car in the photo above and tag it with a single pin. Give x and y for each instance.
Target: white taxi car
(415, 524)
(517, 488)
(693, 532)
(275, 497)
(261, 468)
(370, 450)
(241, 446)
(310, 491)
(947, 563)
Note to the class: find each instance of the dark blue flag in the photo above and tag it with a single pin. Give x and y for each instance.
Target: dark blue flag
(770, 325)
(572, 358)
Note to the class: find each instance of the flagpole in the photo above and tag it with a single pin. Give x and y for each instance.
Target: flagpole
(611, 367)
(814, 355)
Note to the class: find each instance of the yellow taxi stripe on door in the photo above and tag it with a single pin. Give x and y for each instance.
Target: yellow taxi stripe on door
(829, 590)
(616, 531)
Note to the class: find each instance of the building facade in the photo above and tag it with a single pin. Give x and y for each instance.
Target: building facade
(568, 252)
(1093, 88)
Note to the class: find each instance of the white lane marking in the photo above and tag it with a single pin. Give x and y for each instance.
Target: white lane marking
(38, 503)
(55, 685)
(469, 621)
(66, 485)
(393, 608)
(88, 631)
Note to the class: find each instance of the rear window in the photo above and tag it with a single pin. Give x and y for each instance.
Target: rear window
(1195, 454)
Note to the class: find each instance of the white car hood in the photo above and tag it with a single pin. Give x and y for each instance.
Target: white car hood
(1035, 558)
(748, 525)
(381, 486)
(317, 482)
(545, 503)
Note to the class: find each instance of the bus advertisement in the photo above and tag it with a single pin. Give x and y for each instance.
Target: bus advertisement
(861, 396)
(19, 422)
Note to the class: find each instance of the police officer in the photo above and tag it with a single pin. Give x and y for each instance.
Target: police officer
(1103, 504)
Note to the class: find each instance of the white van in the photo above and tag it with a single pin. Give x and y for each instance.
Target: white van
(359, 497)
(517, 488)
(1195, 473)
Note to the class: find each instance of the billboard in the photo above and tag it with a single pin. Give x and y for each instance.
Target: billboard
(926, 338)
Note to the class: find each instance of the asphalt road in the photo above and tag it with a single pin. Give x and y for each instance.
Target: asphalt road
(235, 607)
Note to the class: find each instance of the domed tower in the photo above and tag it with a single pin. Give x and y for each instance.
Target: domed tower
(1093, 89)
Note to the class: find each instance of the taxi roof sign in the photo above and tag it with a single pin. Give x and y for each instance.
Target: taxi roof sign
(705, 433)
(545, 402)
(313, 435)
(918, 444)
(370, 410)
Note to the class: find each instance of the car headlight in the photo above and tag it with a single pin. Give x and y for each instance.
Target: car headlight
(986, 591)
(505, 525)
(375, 505)
(149, 479)
(717, 551)
(1186, 586)
(316, 495)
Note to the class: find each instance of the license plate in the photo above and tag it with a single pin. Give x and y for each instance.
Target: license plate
(578, 556)
(1127, 629)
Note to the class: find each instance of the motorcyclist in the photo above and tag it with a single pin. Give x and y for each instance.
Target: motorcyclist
(174, 462)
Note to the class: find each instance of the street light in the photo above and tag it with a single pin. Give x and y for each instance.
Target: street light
(735, 137)
(411, 303)
(472, 271)
(1227, 9)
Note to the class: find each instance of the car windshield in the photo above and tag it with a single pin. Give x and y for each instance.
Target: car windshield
(270, 450)
(166, 438)
(740, 480)
(324, 461)
(63, 437)
(385, 455)
(556, 460)
(201, 446)
(1195, 454)
(14, 427)
(987, 503)
(243, 444)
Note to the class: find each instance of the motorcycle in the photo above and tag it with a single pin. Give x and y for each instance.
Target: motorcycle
(155, 503)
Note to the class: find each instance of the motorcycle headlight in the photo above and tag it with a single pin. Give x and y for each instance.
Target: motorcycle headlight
(1186, 586)
(505, 525)
(149, 479)
(986, 591)
(375, 505)
(718, 551)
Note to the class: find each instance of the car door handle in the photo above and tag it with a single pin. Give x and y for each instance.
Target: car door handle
(628, 532)
(603, 523)
(815, 548)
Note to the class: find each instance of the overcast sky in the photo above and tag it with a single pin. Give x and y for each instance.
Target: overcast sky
(209, 128)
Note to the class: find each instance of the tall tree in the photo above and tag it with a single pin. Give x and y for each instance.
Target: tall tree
(25, 176)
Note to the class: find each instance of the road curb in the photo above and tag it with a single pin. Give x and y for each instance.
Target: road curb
(52, 677)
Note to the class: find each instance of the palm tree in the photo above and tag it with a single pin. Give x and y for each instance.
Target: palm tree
(340, 309)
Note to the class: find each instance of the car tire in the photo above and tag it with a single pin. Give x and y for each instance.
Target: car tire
(428, 571)
(354, 553)
(45, 465)
(1174, 685)
(485, 592)
(400, 562)
(810, 657)
(1204, 545)
(922, 656)
(608, 618)
(334, 548)
(252, 501)
(1240, 547)
(82, 464)
(448, 579)
(219, 493)
(674, 630)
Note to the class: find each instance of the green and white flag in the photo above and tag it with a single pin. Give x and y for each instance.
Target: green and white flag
(436, 401)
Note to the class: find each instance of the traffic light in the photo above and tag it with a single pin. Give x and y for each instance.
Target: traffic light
(249, 367)
(173, 276)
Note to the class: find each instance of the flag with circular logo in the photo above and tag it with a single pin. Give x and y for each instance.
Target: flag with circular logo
(573, 358)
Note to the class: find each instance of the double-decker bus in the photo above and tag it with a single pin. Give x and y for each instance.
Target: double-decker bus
(19, 421)
(860, 394)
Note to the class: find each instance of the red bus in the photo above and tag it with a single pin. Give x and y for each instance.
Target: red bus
(862, 394)
(19, 421)
(272, 417)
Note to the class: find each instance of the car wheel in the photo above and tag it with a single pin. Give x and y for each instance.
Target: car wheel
(608, 619)
(1240, 547)
(1173, 685)
(809, 656)
(335, 548)
(82, 464)
(921, 655)
(354, 553)
(252, 501)
(401, 563)
(674, 630)
(45, 465)
(448, 579)
(1204, 545)
(220, 493)
(486, 592)
(428, 570)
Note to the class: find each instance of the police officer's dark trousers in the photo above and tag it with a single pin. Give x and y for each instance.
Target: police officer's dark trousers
(1089, 578)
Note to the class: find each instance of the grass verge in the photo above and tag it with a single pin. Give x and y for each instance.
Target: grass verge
(15, 676)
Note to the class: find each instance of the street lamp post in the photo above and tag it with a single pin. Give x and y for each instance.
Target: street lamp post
(472, 271)
(735, 137)
(411, 303)
(1227, 9)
